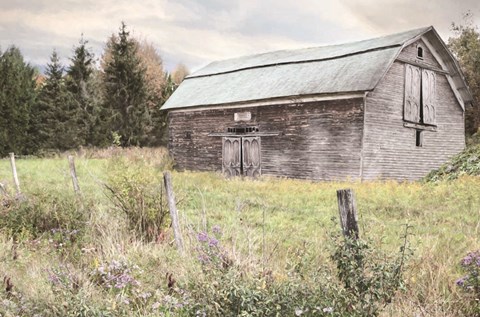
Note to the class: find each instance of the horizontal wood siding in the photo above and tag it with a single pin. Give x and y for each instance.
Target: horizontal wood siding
(319, 140)
(390, 149)
(409, 53)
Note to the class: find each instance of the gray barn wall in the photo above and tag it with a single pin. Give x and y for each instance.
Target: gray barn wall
(389, 148)
(319, 140)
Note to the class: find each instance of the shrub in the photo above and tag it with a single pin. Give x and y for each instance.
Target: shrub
(368, 280)
(470, 282)
(364, 282)
(42, 213)
(137, 191)
(464, 163)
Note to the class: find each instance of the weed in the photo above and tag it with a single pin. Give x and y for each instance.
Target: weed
(470, 283)
(137, 191)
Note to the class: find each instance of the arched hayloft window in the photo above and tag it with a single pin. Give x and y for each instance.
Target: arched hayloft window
(420, 52)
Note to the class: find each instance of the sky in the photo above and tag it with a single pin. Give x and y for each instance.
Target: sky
(198, 32)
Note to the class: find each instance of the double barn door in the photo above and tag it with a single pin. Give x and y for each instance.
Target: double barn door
(241, 156)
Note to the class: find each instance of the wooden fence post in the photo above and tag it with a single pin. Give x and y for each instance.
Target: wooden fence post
(73, 173)
(14, 172)
(348, 213)
(173, 210)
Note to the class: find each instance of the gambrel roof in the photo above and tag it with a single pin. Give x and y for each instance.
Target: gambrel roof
(333, 69)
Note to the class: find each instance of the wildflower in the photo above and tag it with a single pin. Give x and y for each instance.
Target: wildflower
(216, 229)
(298, 312)
(202, 237)
(461, 281)
(213, 242)
(155, 305)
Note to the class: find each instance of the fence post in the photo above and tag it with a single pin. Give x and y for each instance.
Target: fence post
(173, 210)
(73, 173)
(348, 213)
(14, 172)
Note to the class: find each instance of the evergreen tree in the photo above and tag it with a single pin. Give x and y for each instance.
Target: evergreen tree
(17, 96)
(84, 85)
(125, 89)
(56, 116)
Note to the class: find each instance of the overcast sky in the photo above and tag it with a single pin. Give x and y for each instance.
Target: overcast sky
(198, 32)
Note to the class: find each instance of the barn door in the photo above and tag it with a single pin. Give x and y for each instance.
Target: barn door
(428, 95)
(413, 77)
(241, 156)
(232, 152)
(251, 161)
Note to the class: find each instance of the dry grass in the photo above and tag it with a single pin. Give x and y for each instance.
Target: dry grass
(263, 221)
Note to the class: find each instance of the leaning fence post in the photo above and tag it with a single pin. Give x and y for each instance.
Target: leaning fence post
(14, 172)
(348, 213)
(73, 173)
(173, 210)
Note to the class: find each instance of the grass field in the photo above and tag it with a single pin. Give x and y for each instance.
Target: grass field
(265, 223)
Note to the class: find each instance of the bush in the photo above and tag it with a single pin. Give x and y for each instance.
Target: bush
(42, 213)
(368, 279)
(137, 191)
(465, 163)
(363, 282)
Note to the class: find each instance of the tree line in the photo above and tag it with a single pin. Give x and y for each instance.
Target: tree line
(86, 104)
(118, 101)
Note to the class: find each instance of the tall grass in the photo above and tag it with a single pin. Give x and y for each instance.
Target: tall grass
(264, 224)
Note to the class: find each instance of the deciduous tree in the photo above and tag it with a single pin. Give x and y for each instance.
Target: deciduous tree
(465, 45)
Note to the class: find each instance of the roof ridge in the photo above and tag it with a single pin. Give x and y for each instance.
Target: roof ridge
(297, 62)
(290, 56)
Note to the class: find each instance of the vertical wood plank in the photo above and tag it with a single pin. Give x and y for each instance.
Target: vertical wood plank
(412, 93)
(348, 213)
(172, 206)
(73, 174)
(428, 94)
(14, 172)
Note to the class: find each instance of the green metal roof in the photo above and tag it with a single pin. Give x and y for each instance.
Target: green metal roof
(351, 67)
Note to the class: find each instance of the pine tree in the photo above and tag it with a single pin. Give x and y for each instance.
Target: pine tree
(56, 116)
(17, 96)
(84, 85)
(125, 90)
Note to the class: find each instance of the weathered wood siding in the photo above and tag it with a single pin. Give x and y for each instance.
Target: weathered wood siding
(318, 140)
(410, 53)
(390, 149)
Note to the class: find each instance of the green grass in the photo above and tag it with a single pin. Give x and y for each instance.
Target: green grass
(286, 214)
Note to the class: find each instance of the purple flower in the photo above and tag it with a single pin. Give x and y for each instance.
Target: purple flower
(202, 237)
(461, 281)
(467, 260)
(203, 258)
(216, 229)
(213, 242)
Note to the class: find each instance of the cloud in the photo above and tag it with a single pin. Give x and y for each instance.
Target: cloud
(198, 32)
(383, 17)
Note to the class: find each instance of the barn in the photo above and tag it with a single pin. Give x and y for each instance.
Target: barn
(385, 108)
